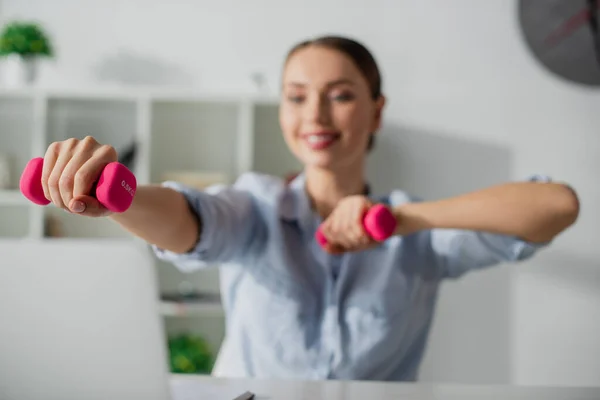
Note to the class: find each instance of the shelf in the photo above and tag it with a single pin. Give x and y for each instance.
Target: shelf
(12, 198)
(195, 137)
(135, 93)
(192, 309)
(61, 224)
(110, 122)
(270, 152)
(172, 280)
(16, 138)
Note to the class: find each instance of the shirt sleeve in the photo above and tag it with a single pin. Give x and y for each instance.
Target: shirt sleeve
(231, 226)
(459, 251)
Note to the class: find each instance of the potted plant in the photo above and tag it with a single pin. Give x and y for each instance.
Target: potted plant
(190, 354)
(22, 44)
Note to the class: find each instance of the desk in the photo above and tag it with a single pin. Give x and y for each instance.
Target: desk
(337, 390)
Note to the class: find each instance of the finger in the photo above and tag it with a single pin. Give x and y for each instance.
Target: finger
(49, 161)
(353, 238)
(67, 178)
(325, 231)
(332, 246)
(359, 239)
(83, 150)
(87, 174)
(360, 243)
(340, 231)
(83, 201)
(65, 154)
(335, 250)
(351, 232)
(359, 232)
(88, 206)
(55, 179)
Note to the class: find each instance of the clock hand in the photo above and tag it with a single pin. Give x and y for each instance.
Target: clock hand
(593, 23)
(570, 25)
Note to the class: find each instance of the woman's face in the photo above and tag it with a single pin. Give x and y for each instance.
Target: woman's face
(327, 113)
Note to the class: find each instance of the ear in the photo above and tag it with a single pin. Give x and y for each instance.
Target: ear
(377, 117)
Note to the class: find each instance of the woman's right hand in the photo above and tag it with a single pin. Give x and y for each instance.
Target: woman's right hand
(71, 167)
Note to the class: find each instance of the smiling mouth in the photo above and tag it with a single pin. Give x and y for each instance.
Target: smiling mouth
(321, 140)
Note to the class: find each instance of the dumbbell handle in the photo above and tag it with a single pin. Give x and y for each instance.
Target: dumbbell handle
(114, 189)
(379, 222)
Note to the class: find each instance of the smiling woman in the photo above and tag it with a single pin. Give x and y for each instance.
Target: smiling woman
(352, 308)
(331, 108)
(361, 75)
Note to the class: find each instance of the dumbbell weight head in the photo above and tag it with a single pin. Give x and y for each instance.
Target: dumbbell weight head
(379, 222)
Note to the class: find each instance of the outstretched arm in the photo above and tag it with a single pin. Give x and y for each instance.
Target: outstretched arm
(197, 228)
(161, 216)
(532, 211)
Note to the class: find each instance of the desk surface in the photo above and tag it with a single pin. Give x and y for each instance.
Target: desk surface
(339, 390)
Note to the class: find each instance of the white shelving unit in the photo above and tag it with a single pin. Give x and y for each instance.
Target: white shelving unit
(174, 309)
(218, 135)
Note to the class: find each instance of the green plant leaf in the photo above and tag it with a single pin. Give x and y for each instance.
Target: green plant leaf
(27, 39)
(190, 355)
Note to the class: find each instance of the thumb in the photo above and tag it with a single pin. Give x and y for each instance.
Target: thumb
(368, 203)
(88, 206)
(334, 249)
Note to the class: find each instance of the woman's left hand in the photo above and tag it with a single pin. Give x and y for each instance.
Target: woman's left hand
(344, 229)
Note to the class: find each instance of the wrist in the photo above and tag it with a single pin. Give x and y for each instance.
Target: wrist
(411, 218)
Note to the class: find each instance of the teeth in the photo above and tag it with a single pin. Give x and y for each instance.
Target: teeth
(320, 138)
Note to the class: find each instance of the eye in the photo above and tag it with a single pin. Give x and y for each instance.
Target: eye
(295, 98)
(343, 97)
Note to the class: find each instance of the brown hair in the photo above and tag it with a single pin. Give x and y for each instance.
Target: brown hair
(358, 53)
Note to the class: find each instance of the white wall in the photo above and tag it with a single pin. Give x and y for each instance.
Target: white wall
(461, 88)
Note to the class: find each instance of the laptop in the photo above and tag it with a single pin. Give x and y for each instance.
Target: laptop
(79, 320)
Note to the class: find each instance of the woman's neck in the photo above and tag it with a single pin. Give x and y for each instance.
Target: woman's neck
(326, 187)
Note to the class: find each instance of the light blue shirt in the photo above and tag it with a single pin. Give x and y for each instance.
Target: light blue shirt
(294, 311)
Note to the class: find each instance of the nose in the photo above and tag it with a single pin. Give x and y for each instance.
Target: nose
(317, 110)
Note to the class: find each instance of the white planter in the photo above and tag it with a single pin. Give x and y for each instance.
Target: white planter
(17, 71)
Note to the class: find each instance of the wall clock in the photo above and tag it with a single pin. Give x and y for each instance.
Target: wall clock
(564, 36)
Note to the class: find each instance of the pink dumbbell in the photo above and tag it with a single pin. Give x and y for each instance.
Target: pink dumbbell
(114, 190)
(379, 222)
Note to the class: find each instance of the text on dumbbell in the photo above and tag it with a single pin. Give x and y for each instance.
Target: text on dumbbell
(129, 189)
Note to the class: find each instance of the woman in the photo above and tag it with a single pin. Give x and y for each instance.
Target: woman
(357, 309)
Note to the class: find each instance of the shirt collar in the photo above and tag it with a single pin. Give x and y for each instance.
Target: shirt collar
(296, 204)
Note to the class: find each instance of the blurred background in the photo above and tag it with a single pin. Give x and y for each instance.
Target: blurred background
(479, 92)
